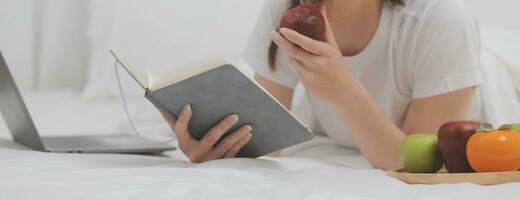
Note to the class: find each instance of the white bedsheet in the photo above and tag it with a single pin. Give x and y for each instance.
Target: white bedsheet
(315, 170)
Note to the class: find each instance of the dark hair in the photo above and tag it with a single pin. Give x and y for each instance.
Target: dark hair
(273, 48)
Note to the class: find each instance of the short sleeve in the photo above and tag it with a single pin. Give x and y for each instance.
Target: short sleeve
(257, 48)
(447, 55)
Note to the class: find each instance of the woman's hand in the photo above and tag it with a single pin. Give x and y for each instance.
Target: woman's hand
(207, 148)
(319, 65)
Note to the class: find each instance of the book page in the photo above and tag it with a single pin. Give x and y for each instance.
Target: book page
(188, 71)
(141, 77)
(149, 82)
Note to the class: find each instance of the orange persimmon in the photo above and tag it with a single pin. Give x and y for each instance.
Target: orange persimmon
(494, 151)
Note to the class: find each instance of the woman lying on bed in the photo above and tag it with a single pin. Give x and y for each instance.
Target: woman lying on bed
(387, 69)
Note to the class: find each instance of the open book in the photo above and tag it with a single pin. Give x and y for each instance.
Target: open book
(215, 89)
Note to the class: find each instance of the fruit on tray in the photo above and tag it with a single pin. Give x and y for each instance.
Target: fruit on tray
(306, 19)
(494, 150)
(452, 137)
(420, 153)
(516, 127)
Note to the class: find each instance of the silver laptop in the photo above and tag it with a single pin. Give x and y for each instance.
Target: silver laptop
(24, 131)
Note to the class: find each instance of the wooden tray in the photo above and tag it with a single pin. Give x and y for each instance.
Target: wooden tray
(494, 178)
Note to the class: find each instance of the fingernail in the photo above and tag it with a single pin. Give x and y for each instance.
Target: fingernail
(234, 117)
(187, 108)
(283, 30)
(249, 135)
(249, 128)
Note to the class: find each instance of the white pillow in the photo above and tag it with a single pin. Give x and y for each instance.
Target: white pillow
(162, 35)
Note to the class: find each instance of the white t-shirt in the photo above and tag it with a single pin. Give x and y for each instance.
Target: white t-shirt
(423, 49)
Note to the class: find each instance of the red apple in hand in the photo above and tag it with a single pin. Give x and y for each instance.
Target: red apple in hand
(452, 138)
(305, 19)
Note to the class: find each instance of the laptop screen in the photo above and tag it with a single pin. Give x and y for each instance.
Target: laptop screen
(15, 112)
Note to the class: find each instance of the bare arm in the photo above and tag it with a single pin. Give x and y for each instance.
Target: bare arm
(281, 93)
(323, 73)
(428, 114)
(379, 139)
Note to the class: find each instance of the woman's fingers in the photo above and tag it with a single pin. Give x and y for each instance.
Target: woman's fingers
(214, 135)
(304, 62)
(181, 125)
(300, 67)
(199, 151)
(171, 120)
(289, 48)
(229, 142)
(237, 146)
(313, 46)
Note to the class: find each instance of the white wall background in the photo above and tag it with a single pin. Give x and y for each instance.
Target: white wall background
(47, 37)
(63, 43)
(162, 35)
(17, 20)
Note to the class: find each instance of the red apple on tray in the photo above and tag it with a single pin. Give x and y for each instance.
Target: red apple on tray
(452, 138)
(306, 19)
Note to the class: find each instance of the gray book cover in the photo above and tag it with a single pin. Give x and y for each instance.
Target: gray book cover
(225, 90)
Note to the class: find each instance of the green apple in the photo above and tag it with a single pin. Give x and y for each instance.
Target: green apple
(516, 127)
(420, 153)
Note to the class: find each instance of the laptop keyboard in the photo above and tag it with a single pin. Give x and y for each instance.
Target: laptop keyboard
(96, 142)
(76, 143)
